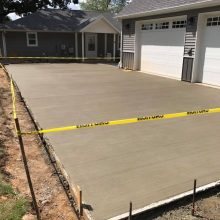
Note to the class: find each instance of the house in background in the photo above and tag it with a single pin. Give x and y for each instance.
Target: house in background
(55, 32)
(178, 39)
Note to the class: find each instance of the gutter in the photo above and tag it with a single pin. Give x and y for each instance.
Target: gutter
(202, 4)
(40, 31)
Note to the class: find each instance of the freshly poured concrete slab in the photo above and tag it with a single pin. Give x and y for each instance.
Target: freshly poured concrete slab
(143, 163)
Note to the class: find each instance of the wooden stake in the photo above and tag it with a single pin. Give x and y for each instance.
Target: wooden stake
(130, 211)
(80, 203)
(194, 195)
(26, 167)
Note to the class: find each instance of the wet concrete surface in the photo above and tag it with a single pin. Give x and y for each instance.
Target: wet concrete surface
(143, 163)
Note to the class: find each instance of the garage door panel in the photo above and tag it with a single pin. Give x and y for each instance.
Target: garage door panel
(161, 56)
(212, 37)
(163, 38)
(162, 52)
(212, 77)
(213, 53)
(211, 69)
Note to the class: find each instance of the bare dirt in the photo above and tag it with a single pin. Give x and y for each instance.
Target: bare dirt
(50, 195)
(207, 207)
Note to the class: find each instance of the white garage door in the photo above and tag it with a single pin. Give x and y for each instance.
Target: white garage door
(211, 71)
(162, 47)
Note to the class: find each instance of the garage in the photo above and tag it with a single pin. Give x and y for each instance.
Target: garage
(211, 69)
(162, 46)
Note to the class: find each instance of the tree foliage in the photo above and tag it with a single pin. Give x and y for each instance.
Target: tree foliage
(95, 5)
(118, 5)
(103, 5)
(23, 7)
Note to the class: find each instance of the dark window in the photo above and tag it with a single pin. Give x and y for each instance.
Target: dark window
(147, 27)
(215, 21)
(163, 25)
(179, 24)
(32, 39)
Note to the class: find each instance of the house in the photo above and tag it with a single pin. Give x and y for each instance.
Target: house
(177, 38)
(58, 33)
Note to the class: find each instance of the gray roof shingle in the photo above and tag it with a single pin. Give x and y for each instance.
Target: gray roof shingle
(58, 20)
(144, 6)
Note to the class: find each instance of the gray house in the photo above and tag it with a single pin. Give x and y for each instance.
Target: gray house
(176, 38)
(54, 32)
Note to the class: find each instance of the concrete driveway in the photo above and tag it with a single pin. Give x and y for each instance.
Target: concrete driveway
(143, 163)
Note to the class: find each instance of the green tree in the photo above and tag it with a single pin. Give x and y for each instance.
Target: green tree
(23, 7)
(103, 5)
(118, 5)
(95, 5)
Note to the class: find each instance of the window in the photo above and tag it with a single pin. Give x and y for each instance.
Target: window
(162, 25)
(147, 27)
(32, 39)
(179, 24)
(215, 21)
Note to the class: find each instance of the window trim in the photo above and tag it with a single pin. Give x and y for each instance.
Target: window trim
(149, 25)
(210, 21)
(160, 20)
(36, 39)
(162, 24)
(174, 26)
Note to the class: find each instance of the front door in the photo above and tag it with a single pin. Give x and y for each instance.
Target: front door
(91, 45)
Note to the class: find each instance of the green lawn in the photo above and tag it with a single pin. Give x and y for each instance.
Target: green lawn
(12, 205)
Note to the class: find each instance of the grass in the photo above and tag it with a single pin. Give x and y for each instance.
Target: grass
(13, 209)
(5, 189)
(12, 206)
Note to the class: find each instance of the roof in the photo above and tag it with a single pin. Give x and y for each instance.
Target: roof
(59, 20)
(139, 7)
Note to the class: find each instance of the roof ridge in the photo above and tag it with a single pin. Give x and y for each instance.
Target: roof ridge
(69, 9)
(53, 19)
(143, 7)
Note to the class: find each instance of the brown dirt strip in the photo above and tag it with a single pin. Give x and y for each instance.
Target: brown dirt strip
(50, 195)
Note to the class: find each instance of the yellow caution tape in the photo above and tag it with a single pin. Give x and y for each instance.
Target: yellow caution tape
(110, 123)
(126, 121)
(63, 58)
(13, 99)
